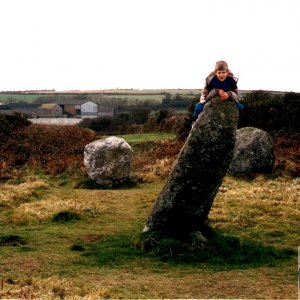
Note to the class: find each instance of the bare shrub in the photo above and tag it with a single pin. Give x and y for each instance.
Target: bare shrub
(55, 149)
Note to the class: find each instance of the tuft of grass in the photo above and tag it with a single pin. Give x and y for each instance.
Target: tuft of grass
(12, 195)
(12, 240)
(59, 292)
(25, 249)
(65, 217)
(77, 247)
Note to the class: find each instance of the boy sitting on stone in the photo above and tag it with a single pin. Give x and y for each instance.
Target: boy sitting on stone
(222, 83)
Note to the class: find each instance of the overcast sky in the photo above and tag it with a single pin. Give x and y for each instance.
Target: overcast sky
(148, 44)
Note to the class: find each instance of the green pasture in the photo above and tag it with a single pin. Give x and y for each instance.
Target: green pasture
(147, 137)
(7, 98)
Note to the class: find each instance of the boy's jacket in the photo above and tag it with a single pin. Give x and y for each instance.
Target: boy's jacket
(207, 93)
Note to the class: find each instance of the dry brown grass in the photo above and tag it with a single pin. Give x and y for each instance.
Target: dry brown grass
(139, 283)
(51, 288)
(153, 161)
(13, 195)
(29, 206)
(263, 208)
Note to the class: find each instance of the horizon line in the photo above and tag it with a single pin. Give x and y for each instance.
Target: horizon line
(33, 91)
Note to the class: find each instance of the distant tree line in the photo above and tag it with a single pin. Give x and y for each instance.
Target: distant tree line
(177, 101)
(265, 110)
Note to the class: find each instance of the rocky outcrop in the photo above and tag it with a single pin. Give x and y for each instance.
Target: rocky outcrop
(253, 152)
(184, 203)
(108, 161)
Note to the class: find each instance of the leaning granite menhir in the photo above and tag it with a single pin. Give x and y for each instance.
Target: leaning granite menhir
(184, 203)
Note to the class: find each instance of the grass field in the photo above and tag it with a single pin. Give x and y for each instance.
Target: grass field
(62, 237)
(147, 137)
(130, 95)
(132, 98)
(5, 98)
(58, 241)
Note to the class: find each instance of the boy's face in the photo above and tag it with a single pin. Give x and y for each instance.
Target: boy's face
(222, 74)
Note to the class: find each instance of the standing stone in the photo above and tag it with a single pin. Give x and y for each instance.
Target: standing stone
(186, 199)
(108, 161)
(253, 152)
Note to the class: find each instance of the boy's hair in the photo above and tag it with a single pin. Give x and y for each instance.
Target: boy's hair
(221, 65)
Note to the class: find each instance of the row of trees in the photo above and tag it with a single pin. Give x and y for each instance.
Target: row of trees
(178, 101)
(266, 110)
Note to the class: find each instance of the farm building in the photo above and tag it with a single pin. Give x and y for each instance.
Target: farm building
(51, 110)
(59, 109)
(89, 109)
(27, 109)
(78, 108)
(71, 108)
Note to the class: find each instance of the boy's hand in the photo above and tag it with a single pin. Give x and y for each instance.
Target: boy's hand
(223, 95)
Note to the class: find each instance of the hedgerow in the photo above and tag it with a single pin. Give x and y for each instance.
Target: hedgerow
(54, 149)
(271, 112)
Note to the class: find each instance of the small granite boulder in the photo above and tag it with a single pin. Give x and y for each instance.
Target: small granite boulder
(253, 152)
(108, 161)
